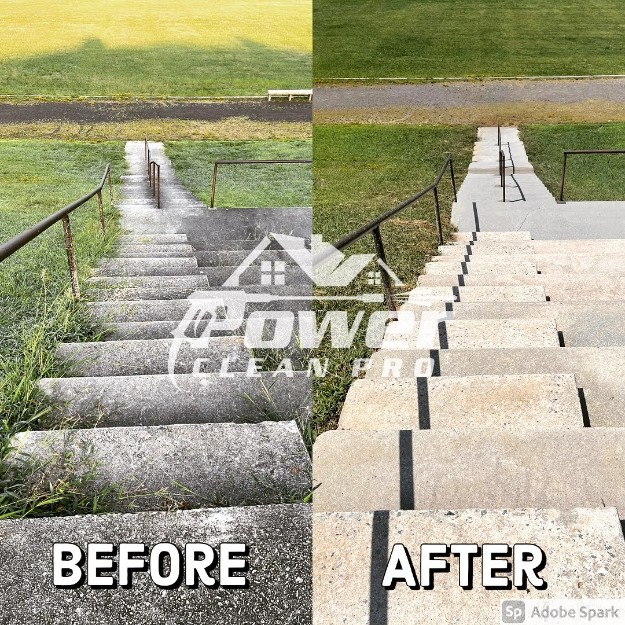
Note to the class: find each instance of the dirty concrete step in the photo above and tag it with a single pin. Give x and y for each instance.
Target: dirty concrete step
(481, 267)
(176, 309)
(589, 324)
(188, 466)
(491, 402)
(153, 239)
(576, 541)
(598, 372)
(195, 282)
(582, 246)
(116, 358)
(497, 333)
(146, 266)
(274, 273)
(558, 287)
(517, 235)
(612, 264)
(424, 295)
(279, 567)
(147, 250)
(182, 292)
(233, 258)
(166, 400)
(451, 470)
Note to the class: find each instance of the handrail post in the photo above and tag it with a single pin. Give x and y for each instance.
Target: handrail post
(562, 180)
(437, 213)
(212, 205)
(110, 187)
(386, 279)
(101, 213)
(71, 258)
(453, 178)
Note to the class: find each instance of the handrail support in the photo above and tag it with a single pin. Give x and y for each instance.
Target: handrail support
(386, 279)
(71, 257)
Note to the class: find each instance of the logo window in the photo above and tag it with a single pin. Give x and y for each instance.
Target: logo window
(273, 272)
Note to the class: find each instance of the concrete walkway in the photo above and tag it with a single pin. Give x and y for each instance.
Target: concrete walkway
(529, 205)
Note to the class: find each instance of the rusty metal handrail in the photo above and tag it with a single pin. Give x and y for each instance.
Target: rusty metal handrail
(154, 180)
(8, 248)
(566, 153)
(373, 228)
(251, 162)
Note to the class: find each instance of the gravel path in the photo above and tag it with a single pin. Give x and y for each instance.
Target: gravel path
(98, 112)
(455, 94)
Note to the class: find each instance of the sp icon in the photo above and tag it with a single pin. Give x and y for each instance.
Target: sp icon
(513, 612)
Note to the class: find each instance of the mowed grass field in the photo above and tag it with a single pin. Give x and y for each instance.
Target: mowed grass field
(454, 38)
(160, 48)
(359, 173)
(245, 186)
(596, 177)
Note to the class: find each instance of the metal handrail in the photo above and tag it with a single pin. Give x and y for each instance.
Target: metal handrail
(373, 228)
(502, 172)
(154, 180)
(18, 242)
(569, 152)
(250, 162)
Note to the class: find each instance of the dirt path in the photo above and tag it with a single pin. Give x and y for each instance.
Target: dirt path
(102, 112)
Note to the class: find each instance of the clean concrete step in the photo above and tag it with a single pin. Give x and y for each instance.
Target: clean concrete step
(175, 310)
(115, 358)
(599, 372)
(498, 333)
(147, 250)
(517, 235)
(558, 287)
(152, 239)
(165, 400)
(425, 295)
(351, 551)
(450, 470)
(188, 466)
(581, 246)
(491, 402)
(279, 564)
(481, 267)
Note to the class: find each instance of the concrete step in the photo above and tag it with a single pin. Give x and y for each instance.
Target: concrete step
(581, 246)
(281, 274)
(545, 263)
(146, 266)
(146, 250)
(165, 400)
(117, 358)
(425, 295)
(173, 466)
(210, 244)
(559, 288)
(517, 235)
(112, 271)
(452, 470)
(152, 239)
(497, 333)
(589, 324)
(351, 552)
(481, 267)
(195, 282)
(492, 402)
(279, 568)
(133, 294)
(175, 310)
(234, 258)
(597, 371)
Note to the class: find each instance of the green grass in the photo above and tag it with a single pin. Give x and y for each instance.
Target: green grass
(127, 47)
(36, 310)
(598, 177)
(359, 173)
(449, 38)
(244, 186)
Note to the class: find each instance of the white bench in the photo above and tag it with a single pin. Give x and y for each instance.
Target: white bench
(289, 93)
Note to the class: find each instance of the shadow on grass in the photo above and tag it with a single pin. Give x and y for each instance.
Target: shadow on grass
(248, 68)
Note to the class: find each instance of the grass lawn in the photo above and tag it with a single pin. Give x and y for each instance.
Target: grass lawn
(588, 177)
(36, 312)
(129, 47)
(244, 186)
(448, 38)
(359, 173)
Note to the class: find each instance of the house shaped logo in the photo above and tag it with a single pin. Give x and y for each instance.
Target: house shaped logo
(335, 270)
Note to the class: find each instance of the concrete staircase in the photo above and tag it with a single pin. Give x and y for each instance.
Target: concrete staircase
(493, 413)
(197, 450)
